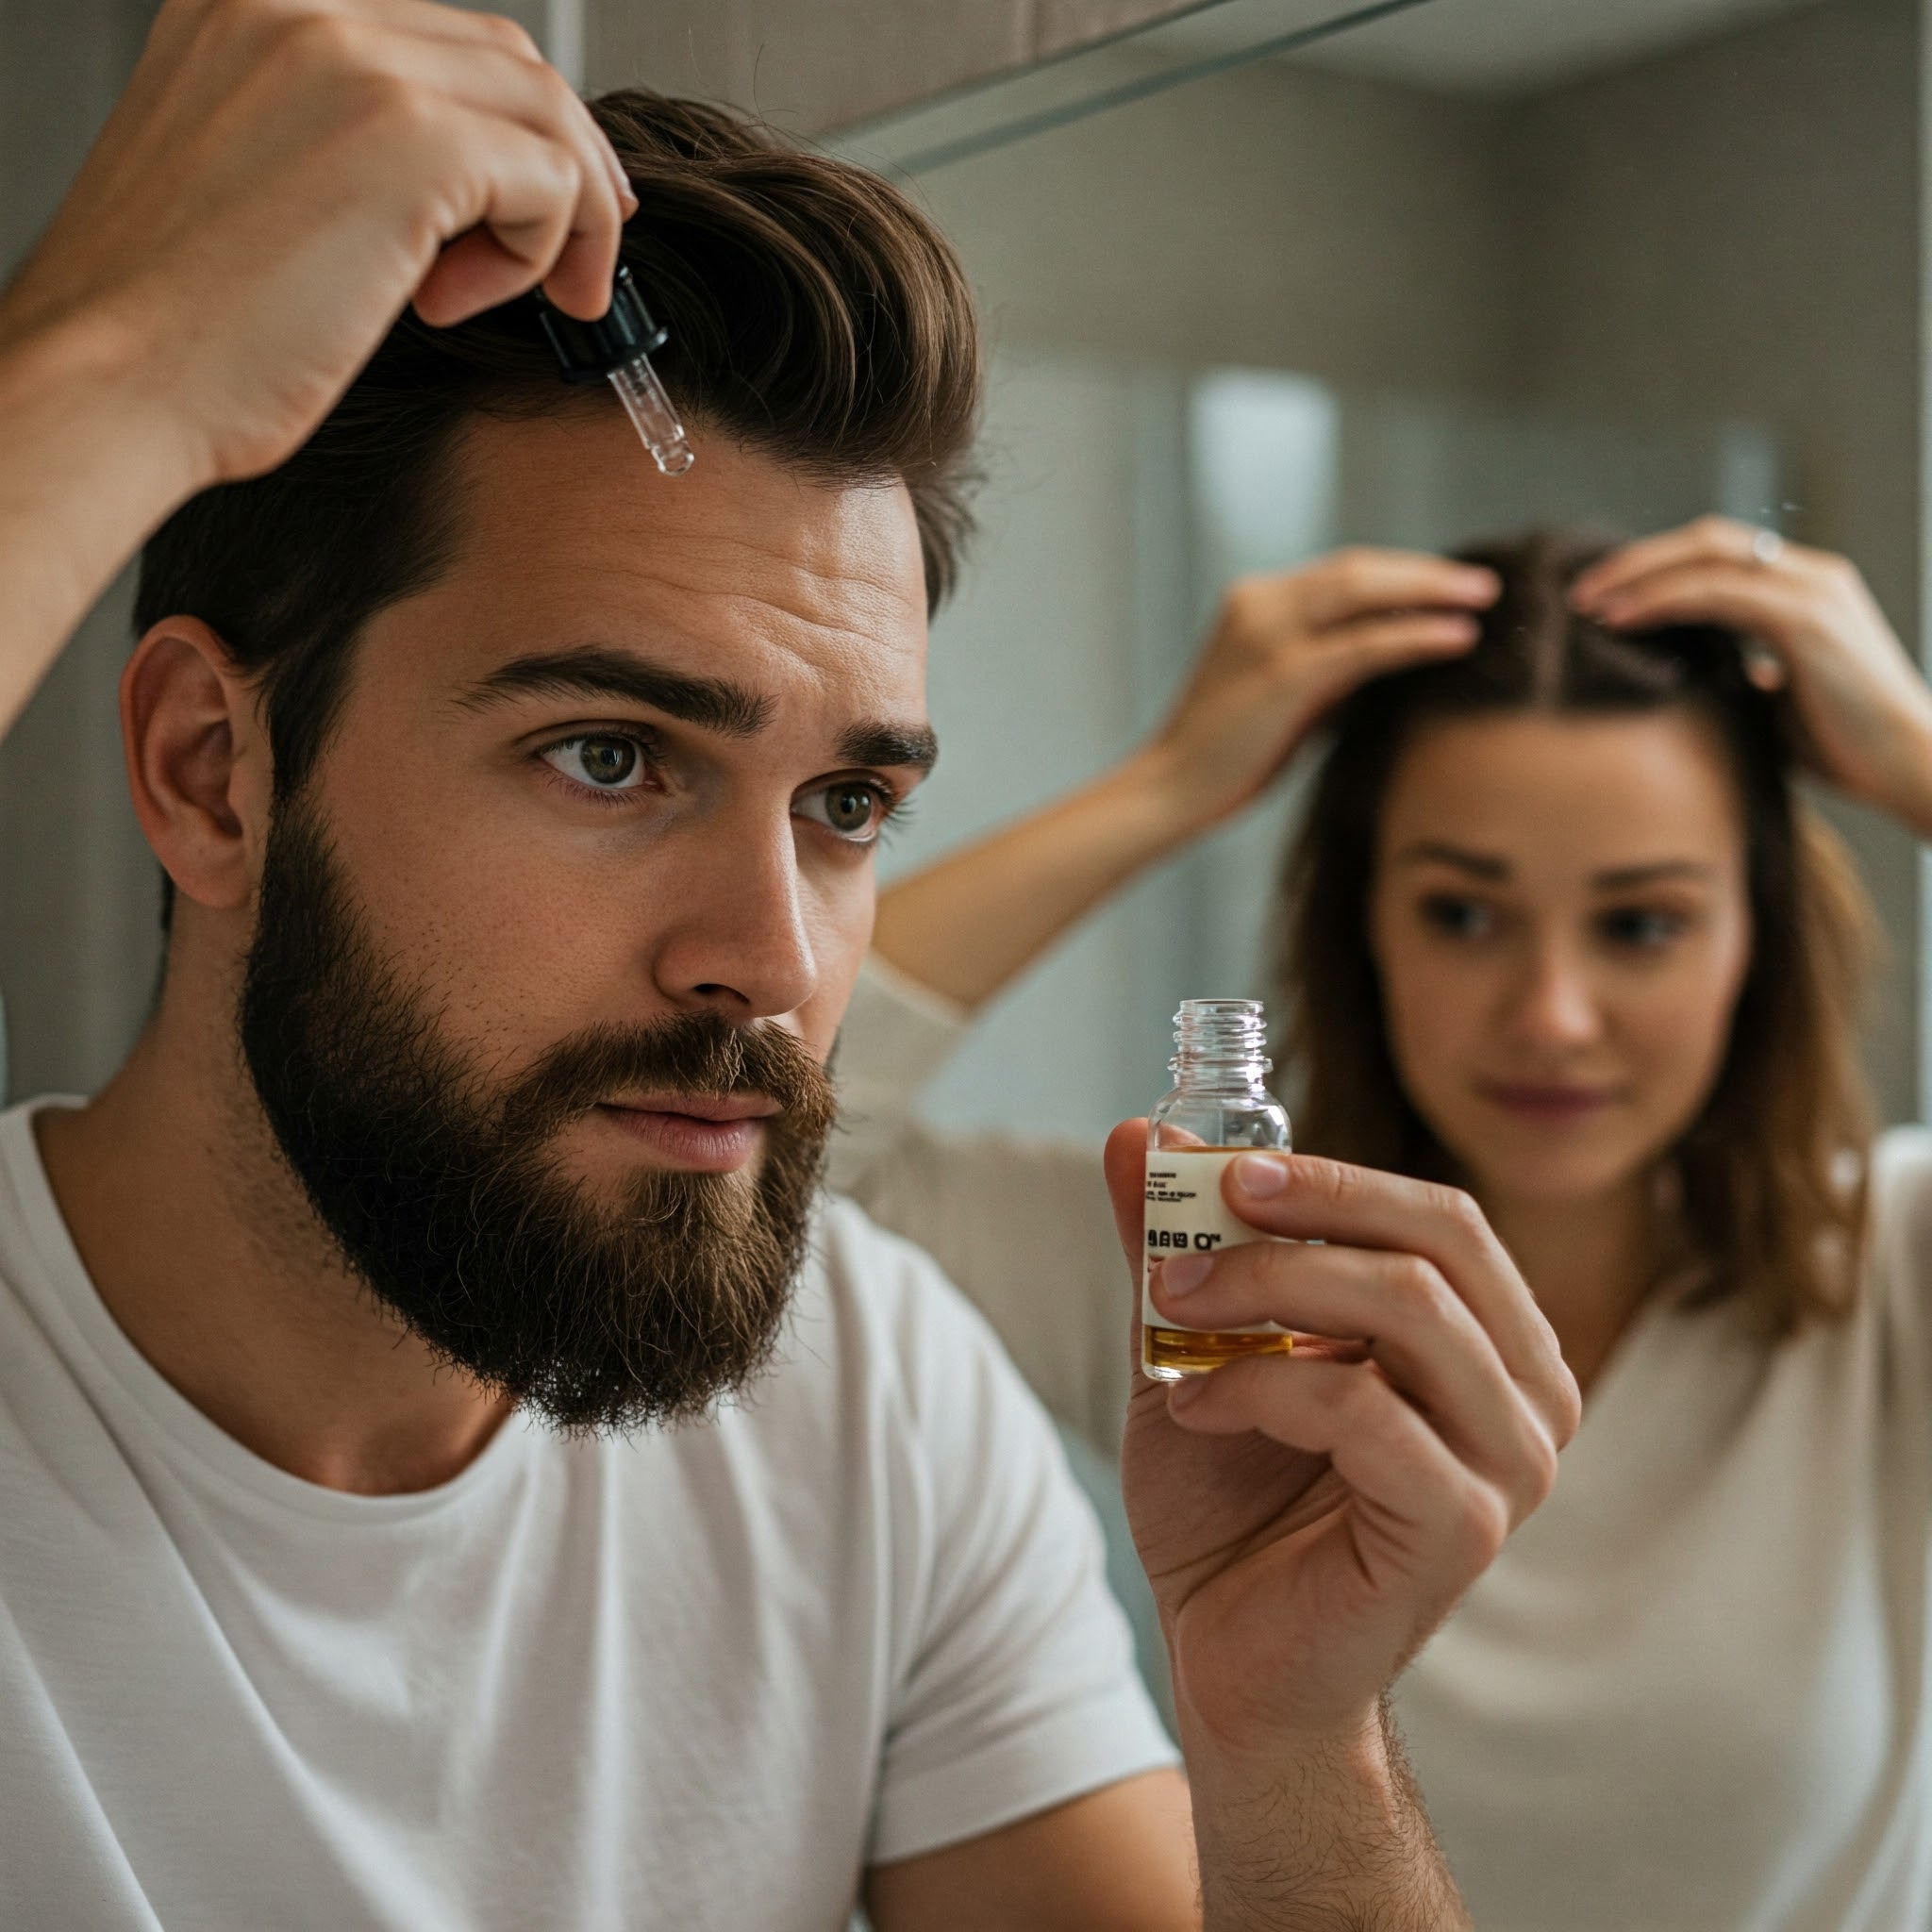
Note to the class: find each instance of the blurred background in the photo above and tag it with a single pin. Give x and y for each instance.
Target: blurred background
(1261, 276)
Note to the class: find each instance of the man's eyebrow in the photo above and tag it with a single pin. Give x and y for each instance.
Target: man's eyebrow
(591, 670)
(1484, 865)
(1621, 877)
(876, 744)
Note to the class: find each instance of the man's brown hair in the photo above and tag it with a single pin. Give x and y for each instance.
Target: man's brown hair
(815, 315)
(1771, 1170)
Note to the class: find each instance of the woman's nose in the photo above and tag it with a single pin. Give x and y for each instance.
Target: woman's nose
(1556, 1003)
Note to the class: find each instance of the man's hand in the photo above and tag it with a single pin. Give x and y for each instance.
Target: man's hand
(280, 177)
(1308, 1519)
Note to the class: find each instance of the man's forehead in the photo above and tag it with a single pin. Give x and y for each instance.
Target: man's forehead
(743, 569)
(576, 497)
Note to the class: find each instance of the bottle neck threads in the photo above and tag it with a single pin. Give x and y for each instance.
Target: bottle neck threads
(1222, 1045)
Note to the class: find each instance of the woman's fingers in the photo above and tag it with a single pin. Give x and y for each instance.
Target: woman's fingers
(1399, 1470)
(1307, 1198)
(1712, 539)
(1420, 1333)
(1773, 604)
(1354, 582)
(1370, 647)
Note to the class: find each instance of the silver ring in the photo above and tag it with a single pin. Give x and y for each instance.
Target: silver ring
(1767, 546)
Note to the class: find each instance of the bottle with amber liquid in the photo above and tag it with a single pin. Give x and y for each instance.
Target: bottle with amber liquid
(1219, 1110)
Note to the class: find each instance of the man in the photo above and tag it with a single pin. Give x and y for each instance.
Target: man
(455, 1473)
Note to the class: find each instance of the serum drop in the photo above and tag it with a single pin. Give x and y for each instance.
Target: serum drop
(1218, 1111)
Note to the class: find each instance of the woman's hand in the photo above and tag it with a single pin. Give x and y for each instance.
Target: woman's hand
(1306, 1520)
(1863, 708)
(1287, 647)
(1282, 651)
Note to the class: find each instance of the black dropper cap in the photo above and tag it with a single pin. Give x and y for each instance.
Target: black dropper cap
(588, 350)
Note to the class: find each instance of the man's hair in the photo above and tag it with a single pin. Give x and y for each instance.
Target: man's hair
(815, 314)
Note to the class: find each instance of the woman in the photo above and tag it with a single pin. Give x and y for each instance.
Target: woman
(1557, 929)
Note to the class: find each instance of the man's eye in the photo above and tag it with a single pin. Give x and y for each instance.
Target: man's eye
(1460, 918)
(853, 809)
(604, 762)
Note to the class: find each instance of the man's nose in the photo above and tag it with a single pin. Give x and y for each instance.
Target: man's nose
(1554, 1001)
(733, 935)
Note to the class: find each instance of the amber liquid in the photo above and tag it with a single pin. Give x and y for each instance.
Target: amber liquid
(1168, 1353)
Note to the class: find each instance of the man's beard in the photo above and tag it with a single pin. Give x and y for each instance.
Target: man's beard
(440, 1192)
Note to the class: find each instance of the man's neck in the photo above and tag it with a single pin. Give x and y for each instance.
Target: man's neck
(206, 1252)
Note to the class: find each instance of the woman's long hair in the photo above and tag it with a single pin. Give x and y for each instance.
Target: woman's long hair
(1772, 1170)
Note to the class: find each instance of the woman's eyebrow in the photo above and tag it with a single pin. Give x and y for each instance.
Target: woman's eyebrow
(1483, 865)
(1620, 878)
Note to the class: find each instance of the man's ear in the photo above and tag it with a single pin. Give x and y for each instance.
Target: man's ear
(198, 761)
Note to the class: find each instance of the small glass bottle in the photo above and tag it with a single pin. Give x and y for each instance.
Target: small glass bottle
(1218, 1111)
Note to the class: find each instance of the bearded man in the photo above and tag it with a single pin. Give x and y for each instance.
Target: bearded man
(457, 1469)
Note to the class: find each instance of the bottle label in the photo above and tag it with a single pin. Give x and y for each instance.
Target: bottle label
(1186, 1215)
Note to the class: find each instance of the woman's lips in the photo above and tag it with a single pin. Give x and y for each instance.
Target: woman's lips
(1549, 1105)
(700, 1134)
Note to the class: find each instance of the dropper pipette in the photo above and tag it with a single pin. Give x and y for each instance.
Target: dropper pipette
(617, 348)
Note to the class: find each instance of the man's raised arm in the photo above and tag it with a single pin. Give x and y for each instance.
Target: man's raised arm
(280, 177)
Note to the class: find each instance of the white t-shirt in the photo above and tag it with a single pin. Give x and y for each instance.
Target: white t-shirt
(695, 1678)
(1690, 1696)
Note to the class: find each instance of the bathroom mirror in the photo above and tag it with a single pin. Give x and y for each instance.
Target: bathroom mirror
(1275, 276)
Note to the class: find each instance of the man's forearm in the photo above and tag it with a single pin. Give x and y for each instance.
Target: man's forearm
(88, 466)
(1333, 1840)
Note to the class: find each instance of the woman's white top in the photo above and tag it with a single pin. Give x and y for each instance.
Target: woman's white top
(1690, 1695)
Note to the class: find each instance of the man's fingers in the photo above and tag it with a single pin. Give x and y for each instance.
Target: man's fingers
(1422, 1335)
(1399, 1470)
(1354, 582)
(1307, 1198)
(487, 95)
(1125, 1164)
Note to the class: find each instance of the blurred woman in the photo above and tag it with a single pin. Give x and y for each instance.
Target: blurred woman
(1557, 929)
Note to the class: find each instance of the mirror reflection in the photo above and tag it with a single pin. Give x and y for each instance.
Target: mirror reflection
(1453, 513)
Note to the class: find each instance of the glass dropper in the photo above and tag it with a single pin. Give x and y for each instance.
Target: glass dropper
(617, 348)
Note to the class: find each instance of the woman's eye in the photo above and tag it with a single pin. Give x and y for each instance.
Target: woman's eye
(1639, 927)
(1462, 919)
(854, 810)
(605, 762)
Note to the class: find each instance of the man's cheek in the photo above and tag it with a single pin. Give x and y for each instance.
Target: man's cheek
(841, 953)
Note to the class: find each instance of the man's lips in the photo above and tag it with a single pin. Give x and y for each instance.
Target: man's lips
(1547, 1102)
(702, 1133)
